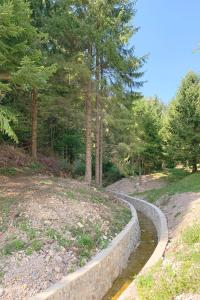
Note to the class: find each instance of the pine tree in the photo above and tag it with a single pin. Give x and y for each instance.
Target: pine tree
(32, 76)
(182, 124)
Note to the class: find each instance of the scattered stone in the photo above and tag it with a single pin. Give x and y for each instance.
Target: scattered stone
(1, 292)
(57, 269)
(58, 259)
(80, 225)
(47, 222)
(51, 217)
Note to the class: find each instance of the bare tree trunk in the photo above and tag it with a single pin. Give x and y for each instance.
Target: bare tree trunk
(5, 76)
(101, 126)
(88, 155)
(101, 153)
(194, 166)
(34, 124)
(98, 123)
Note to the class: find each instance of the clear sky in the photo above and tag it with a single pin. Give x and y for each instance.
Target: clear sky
(170, 34)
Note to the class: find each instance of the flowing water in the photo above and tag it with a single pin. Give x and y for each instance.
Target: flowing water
(137, 259)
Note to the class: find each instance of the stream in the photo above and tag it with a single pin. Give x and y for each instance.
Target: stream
(137, 259)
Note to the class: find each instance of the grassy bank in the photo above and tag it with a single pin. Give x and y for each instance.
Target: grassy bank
(180, 272)
(178, 181)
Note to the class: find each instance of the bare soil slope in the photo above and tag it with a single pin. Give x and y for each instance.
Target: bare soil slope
(49, 227)
(134, 184)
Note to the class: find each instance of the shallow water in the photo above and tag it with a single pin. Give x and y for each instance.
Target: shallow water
(136, 260)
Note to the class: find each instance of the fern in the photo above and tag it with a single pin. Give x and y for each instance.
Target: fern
(6, 117)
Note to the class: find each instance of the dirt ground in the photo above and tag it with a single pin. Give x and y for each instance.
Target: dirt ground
(181, 210)
(134, 184)
(49, 227)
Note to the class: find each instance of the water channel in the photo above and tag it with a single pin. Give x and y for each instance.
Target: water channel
(137, 259)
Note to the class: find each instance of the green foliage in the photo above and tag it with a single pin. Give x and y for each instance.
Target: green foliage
(31, 74)
(6, 118)
(181, 132)
(78, 168)
(111, 173)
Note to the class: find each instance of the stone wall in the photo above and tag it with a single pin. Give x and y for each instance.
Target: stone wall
(93, 280)
(160, 223)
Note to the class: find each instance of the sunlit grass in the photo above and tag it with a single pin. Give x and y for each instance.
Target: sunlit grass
(180, 275)
(176, 185)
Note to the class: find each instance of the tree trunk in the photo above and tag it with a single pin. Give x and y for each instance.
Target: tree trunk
(98, 124)
(34, 125)
(101, 154)
(101, 126)
(194, 166)
(88, 154)
(5, 76)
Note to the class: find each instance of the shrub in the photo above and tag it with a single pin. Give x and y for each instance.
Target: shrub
(78, 168)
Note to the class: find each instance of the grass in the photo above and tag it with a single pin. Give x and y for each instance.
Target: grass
(13, 246)
(192, 234)
(23, 225)
(36, 245)
(5, 206)
(180, 275)
(87, 239)
(176, 185)
(120, 219)
(8, 171)
(58, 237)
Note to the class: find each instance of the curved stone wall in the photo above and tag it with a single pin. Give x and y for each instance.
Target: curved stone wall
(93, 280)
(160, 223)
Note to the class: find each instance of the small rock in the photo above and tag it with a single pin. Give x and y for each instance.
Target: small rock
(48, 257)
(47, 222)
(80, 225)
(1, 292)
(57, 269)
(58, 259)
(51, 253)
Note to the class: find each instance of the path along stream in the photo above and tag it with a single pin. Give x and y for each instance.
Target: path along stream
(137, 259)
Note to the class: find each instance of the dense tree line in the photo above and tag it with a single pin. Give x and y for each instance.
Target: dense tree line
(69, 84)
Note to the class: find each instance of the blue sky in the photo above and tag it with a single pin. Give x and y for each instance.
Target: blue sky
(170, 34)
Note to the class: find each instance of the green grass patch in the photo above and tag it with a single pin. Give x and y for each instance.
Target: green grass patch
(35, 166)
(5, 206)
(24, 226)
(190, 183)
(13, 246)
(87, 239)
(192, 234)
(35, 246)
(8, 171)
(120, 219)
(69, 194)
(58, 237)
(164, 282)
